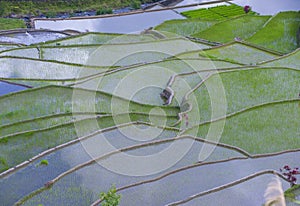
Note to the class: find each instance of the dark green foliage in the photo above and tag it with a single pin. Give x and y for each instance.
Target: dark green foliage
(21, 7)
(104, 11)
(51, 14)
(135, 4)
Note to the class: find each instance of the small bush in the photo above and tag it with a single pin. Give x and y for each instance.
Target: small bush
(44, 162)
(111, 198)
(104, 11)
(136, 5)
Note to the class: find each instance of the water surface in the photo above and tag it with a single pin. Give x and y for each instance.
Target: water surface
(118, 24)
(6, 88)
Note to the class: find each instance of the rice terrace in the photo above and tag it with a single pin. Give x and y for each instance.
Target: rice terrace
(150, 103)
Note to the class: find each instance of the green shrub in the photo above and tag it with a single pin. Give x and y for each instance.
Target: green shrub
(104, 11)
(111, 198)
(136, 5)
(44, 162)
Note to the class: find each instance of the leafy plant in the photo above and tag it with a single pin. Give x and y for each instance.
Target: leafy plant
(111, 198)
(44, 162)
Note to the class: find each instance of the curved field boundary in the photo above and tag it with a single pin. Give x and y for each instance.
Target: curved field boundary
(236, 69)
(106, 115)
(53, 64)
(246, 156)
(247, 44)
(51, 150)
(244, 43)
(51, 127)
(284, 38)
(54, 61)
(173, 78)
(265, 24)
(81, 89)
(49, 117)
(281, 57)
(177, 25)
(205, 58)
(87, 34)
(204, 41)
(242, 111)
(231, 184)
(133, 66)
(90, 162)
(226, 70)
(245, 153)
(19, 31)
(109, 69)
(45, 46)
(190, 167)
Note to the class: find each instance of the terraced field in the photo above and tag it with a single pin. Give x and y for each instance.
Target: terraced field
(217, 13)
(167, 119)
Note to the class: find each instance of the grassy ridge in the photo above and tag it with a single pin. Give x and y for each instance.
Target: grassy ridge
(267, 129)
(185, 27)
(237, 52)
(247, 88)
(242, 27)
(280, 33)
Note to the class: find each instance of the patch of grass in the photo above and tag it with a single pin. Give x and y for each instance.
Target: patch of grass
(217, 13)
(7, 23)
(248, 88)
(267, 129)
(185, 27)
(57, 100)
(280, 33)
(290, 60)
(240, 53)
(226, 31)
(21, 147)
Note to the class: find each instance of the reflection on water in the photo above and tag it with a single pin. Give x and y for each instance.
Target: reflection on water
(31, 38)
(138, 22)
(118, 24)
(6, 88)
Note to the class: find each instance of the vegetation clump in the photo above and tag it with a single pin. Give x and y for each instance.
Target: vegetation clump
(111, 198)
